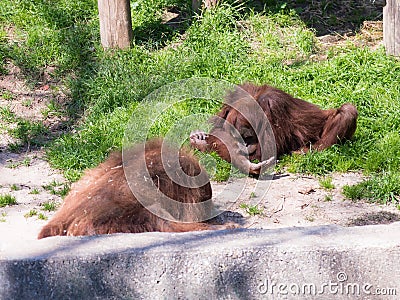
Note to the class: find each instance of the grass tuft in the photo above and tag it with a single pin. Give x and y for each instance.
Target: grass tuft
(6, 200)
(326, 183)
(383, 188)
(35, 191)
(252, 210)
(42, 216)
(31, 213)
(49, 206)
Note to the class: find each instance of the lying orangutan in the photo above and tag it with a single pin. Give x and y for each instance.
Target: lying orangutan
(239, 134)
(101, 202)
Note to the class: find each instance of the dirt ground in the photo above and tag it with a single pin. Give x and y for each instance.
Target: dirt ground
(290, 200)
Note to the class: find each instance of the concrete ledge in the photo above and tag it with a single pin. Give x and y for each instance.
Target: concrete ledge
(322, 262)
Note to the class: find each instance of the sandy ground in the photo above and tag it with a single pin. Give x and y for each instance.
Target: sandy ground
(298, 200)
(20, 182)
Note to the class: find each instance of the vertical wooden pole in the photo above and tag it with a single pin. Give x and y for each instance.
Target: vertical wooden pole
(391, 27)
(115, 23)
(196, 4)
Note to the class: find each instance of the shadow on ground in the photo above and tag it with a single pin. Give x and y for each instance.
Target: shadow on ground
(327, 16)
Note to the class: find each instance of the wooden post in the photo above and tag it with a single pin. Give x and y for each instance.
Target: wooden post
(196, 4)
(115, 23)
(391, 27)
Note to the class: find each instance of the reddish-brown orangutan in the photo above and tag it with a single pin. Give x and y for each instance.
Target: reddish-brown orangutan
(101, 202)
(239, 135)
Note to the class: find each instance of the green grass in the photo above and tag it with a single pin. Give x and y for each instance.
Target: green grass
(15, 187)
(53, 108)
(47, 33)
(7, 115)
(6, 95)
(7, 199)
(56, 188)
(29, 132)
(31, 213)
(25, 162)
(35, 191)
(326, 183)
(42, 216)
(32, 133)
(27, 103)
(231, 42)
(252, 210)
(49, 206)
(3, 51)
(3, 217)
(383, 187)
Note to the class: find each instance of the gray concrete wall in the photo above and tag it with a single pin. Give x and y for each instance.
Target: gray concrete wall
(326, 262)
